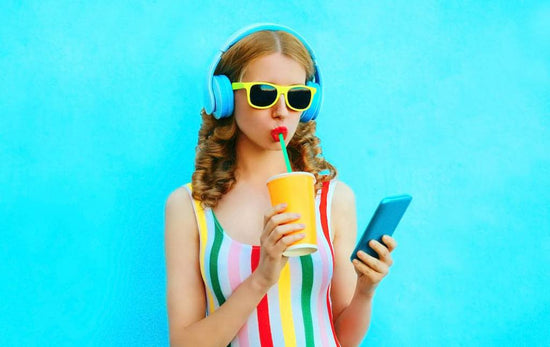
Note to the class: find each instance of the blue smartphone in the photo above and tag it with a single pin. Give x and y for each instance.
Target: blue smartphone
(383, 222)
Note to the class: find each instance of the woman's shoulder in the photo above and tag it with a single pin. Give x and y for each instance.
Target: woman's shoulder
(342, 192)
(179, 204)
(343, 198)
(179, 196)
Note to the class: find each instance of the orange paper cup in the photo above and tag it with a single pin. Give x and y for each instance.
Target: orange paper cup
(297, 190)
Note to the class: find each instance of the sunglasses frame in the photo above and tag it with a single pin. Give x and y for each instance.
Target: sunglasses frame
(280, 90)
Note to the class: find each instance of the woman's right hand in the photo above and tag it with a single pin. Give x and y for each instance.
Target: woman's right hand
(277, 235)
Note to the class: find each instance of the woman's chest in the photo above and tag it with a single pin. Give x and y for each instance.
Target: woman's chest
(241, 216)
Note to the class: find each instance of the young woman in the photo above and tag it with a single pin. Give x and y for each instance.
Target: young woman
(228, 281)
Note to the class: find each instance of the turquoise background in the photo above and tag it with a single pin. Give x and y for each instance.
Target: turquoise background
(445, 100)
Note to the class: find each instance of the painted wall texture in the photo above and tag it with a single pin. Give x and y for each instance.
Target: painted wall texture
(447, 101)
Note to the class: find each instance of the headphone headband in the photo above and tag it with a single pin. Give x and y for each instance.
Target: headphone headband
(216, 91)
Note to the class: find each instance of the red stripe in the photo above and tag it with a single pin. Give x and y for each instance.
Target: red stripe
(262, 310)
(324, 218)
(324, 225)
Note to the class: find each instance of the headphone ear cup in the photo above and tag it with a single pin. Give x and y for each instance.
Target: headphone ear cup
(312, 112)
(223, 96)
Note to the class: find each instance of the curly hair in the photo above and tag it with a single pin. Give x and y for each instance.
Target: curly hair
(215, 160)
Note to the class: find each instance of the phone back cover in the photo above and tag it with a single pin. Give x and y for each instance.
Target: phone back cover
(384, 221)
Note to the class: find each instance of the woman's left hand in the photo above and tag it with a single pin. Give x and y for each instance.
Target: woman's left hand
(370, 271)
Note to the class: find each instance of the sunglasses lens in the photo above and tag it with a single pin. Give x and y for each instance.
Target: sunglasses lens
(299, 97)
(262, 95)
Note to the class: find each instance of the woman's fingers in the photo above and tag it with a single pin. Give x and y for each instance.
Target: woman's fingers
(371, 264)
(383, 252)
(362, 267)
(278, 219)
(284, 235)
(279, 229)
(288, 240)
(275, 216)
(384, 261)
(389, 242)
(273, 211)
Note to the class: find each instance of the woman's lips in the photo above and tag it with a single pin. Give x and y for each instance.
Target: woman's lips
(279, 130)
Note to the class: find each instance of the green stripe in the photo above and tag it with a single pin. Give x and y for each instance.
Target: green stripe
(307, 286)
(213, 265)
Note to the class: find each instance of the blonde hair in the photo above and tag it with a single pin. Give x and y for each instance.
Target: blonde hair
(215, 158)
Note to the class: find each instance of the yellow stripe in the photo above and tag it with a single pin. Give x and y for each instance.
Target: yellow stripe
(203, 233)
(285, 306)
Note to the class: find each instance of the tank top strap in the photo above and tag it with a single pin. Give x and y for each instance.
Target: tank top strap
(325, 206)
(206, 230)
(200, 214)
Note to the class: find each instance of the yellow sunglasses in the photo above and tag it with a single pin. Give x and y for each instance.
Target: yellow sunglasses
(262, 95)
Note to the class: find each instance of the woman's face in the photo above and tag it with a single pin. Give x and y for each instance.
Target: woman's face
(255, 125)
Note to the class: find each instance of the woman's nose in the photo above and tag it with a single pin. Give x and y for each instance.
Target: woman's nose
(280, 109)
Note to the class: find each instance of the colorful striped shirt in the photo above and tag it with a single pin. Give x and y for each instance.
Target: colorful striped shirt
(297, 310)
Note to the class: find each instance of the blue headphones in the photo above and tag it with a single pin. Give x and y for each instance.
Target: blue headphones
(219, 94)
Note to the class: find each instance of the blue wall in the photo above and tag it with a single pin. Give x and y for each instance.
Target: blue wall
(447, 101)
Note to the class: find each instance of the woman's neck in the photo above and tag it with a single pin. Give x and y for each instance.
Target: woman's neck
(255, 164)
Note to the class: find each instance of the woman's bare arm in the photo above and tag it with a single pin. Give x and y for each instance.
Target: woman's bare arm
(353, 284)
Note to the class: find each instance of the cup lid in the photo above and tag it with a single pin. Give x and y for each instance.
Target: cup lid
(293, 173)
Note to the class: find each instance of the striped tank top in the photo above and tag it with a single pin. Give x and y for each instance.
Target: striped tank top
(296, 311)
